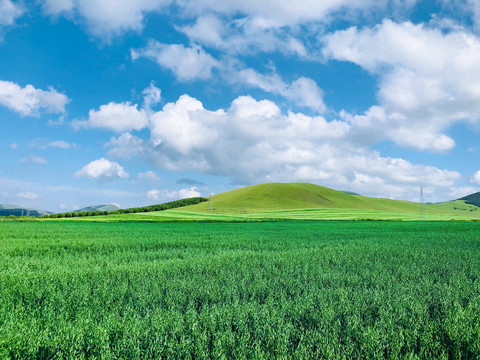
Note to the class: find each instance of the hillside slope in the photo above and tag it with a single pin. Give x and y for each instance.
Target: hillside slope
(473, 199)
(285, 196)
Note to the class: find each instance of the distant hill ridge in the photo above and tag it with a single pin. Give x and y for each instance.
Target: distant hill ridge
(8, 210)
(473, 199)
(107, 207)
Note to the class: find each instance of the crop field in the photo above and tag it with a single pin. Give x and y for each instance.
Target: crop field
(294, 214)
(290, 289)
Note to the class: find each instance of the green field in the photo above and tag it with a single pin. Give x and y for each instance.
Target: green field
(335, 289)
(303, 201)
(300, 201)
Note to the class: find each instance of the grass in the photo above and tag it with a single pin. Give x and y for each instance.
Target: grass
(295, 201)
(376, 290)
(309, 201)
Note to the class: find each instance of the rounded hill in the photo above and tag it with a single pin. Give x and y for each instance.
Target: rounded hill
(284, 196)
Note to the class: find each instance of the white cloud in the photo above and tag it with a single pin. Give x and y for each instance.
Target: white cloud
(243, 36)
(429, 79)
(281, 13)
(303, 91)
(27, 195)
(28, 101)
(476, 178)
(252, 142)
(9, 12)
(14, 146)
(33, 160)
(151, 96)
(470, 8)
(127, 146)
(167, 195)
(196, 64)
(188, 193)
(42, 143)
(59, 122)
(148, 175)
(118, 117)
(59, 144)
(102, 170)
(106, 18)
(475, 7)
(187, 63)
(459, 192)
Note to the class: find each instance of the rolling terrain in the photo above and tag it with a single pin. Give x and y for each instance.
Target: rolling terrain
(302, 201)
(284, 201)
(7, 210)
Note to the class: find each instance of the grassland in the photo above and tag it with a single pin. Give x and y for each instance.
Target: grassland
(300, 201)
(71, 289)
(296, 201)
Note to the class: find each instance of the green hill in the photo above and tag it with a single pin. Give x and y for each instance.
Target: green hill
(285, 196)
(473, 199)
(294, 201)
(303, 200)
(7, 210)
(108, 207)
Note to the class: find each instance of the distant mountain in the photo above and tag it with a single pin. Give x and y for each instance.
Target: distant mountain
(108, 207)
(7, 210)
(350, 193)
(473, 199)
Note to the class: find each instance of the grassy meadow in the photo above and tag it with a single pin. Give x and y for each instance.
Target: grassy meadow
(153, 290)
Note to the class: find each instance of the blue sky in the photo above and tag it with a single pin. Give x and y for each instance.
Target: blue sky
(148, 101)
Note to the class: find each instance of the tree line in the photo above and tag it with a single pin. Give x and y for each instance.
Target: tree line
(157, 207)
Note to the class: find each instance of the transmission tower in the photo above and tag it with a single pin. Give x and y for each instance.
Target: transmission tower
(210, 203)
(421, 210)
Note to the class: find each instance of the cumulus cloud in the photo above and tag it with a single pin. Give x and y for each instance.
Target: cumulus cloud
(243, 36)
(196, 64)
(29, 101)
(429, 80)
(102, 170)
(284, 13)
(187, 63)
(162, 195)
(9, 12)
(118, 117)
(148, 175)
(302, 92)
(476, 178)
(33, 160)
(106, 18)
(253, 141)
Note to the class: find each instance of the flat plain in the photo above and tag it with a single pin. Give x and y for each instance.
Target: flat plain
(288, 289)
